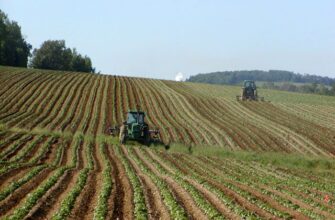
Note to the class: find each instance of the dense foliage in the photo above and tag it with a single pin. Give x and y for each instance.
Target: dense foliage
(235, 77)
(14, 50)
(54, 55)
(305, 88)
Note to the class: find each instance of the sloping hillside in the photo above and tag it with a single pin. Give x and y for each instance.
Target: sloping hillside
(184, 112)
(57, 162)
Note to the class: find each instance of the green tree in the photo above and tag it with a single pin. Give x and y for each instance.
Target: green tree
(14, 50)
(80, 63)
(53, 54)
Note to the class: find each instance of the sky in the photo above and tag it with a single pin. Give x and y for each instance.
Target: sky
(173, 39)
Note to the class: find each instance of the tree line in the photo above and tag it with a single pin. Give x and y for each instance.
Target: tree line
(315, 88)
(290, 81)
(52, 54)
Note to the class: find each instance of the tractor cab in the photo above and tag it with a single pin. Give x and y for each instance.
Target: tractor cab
(135, 117)
(136, 128)
(249, 84)
(249, 89)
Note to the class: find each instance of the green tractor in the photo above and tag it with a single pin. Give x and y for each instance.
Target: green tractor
(249, 92)
(135, 128)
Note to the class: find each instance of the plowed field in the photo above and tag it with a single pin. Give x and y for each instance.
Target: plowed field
(57, 160)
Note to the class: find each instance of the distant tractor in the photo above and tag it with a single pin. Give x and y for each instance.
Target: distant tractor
(135, 128)
(249, 92)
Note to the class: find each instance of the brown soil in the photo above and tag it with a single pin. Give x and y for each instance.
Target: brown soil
(48, 201)
(242, 201)
(12, 81)
(96, 113)
(64, 105)
(51, 201)
(23, 143)
(117, 101)
(67, 118)
(258, 195)
(239, 137)
(123, 193)
(149, 110)
(322, 194)
(10, 140)
(299, 203)
(48, 106)
(83, 104)
(122, 97)
(70, 106)
(155, 204)
(64, 158)
(208, 195)
(88, 197)
(129, 94)
(43, 96)
(83, 205)
(49, 155)
(192, 210)
(234, 195)
(109, 105)
(278, 206)
(86, 126)
(321, 136)
(303, 195)
(33, 151)
(179, 192)
(26, 100)
(100, 110)
(18, 92)
(156, 158)
(4, 134)
(250, 131)
(174, 128)
(270, 201)
(13, 175)
(13, 201)
(214, 200)
(134, 93)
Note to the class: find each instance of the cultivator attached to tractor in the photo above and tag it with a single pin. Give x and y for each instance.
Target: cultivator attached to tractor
(135, 128)
(249, 92)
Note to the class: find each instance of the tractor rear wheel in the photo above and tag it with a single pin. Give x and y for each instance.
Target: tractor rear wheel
(122, 136)
(243, 95)
(147, 137)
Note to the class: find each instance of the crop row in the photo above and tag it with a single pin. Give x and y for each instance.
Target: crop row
(87, 103)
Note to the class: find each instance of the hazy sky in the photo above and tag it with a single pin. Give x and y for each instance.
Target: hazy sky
(161, 38)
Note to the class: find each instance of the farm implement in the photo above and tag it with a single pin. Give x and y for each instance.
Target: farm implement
(249, 92)
(135, 128)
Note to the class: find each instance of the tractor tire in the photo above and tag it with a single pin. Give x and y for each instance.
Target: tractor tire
(147, 138)
(122, 136)
(243, 95)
